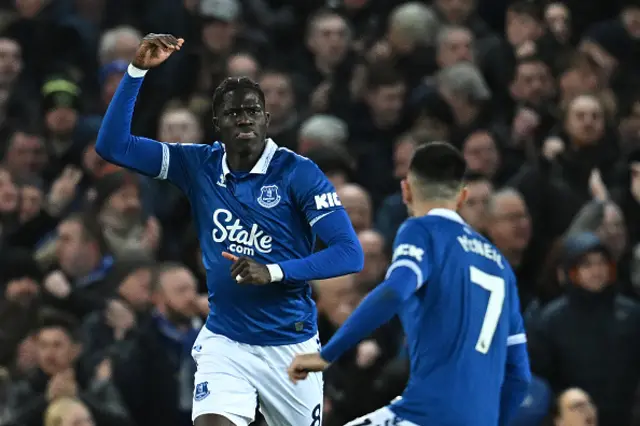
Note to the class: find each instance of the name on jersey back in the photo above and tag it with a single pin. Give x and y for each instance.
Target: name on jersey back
(481, 248)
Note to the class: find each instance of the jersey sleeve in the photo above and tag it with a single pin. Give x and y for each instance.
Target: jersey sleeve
(313, 192)
(411, 250)
(115, 143)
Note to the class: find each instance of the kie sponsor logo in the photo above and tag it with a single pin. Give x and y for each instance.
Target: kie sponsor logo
(327, 200)
(241, 241)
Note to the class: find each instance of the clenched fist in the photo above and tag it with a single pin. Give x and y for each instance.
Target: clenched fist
(154, 49)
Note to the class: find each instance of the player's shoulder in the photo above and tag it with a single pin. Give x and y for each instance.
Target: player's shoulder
(287, 162)
(202, 150)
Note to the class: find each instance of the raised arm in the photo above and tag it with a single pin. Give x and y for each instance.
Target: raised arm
(115, 142)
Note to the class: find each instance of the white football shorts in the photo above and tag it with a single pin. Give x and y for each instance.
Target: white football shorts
(382, 417)
(233, 378)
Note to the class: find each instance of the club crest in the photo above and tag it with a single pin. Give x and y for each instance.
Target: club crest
(269, 196)
(201, 391)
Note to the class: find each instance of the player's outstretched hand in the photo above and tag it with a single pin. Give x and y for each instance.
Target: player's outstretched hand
(303, 364)
(154, 49)
(248, 271)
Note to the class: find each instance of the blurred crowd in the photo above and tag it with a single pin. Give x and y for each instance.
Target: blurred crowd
(103, 290)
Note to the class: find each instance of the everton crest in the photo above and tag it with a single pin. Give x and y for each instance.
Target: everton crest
(269, 196)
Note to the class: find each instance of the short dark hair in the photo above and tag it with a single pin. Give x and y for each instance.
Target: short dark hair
(440, 168)
(90, 228)
(230, 84)
(382, 76)
(50, 318)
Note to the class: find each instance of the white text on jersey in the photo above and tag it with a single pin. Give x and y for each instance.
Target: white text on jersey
(242, 241)
(408, 250)
(329, 199)
(481, 248)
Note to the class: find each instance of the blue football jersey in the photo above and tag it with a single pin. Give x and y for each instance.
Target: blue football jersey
(265, 214)
(459, 322)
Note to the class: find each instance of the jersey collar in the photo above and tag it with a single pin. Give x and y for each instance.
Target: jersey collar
(261, 166)
(447, 214)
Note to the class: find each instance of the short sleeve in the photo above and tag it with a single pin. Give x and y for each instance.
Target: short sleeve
(181, 163)
(411, 250)
(517, 334)
(313, 192)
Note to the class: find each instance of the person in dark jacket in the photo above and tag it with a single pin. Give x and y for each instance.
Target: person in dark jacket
(587, 338)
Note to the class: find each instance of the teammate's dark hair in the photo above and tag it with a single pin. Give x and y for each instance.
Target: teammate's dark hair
(440, 169)
(235, 83)
(383, 75)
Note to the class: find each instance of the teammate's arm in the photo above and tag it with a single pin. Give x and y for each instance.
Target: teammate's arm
(517, 373)
(115, 142)
(409, 270)
(317, 198)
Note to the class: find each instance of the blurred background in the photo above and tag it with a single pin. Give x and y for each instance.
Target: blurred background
(102, 288)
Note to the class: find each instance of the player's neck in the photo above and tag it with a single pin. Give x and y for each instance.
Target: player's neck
(243, 163)
(423, 208)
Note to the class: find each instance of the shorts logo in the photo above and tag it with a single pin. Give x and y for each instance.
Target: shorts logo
(202, 391)
(269, 196)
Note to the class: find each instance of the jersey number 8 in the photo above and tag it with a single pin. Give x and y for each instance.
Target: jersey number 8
(495, 286)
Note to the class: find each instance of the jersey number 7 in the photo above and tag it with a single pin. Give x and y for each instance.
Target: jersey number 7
(495, 286)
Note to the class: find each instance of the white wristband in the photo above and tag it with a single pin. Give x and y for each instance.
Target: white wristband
(136, 72)
(276, 272)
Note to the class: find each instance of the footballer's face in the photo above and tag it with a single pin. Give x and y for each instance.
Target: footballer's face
(242, 123)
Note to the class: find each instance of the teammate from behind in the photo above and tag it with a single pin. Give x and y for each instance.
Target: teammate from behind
(457, 299)
(257, 209)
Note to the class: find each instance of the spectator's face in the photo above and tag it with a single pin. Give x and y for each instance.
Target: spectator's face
(177, 295)
(458, 47)
(531, 83)
(180, 126)
(358, 206)
(125, 203)
(613, 231)
(522, 28)
(509, 224)
(455, 11)
(576, 409)
(576, 81)
(72, 250)
(21, 291)
(56, 350)
(31, 199)
(337, 179)
(593, 272)
(474, 208)
(585, 121)
(219, 36)
(77, 415)
(242, 66)
(10, 61)
(337, 298)
(9, 197)
(375, 259)
(481, 154)
(402, 154)
(557, 18)
(278, 95)
(329, 39)
(26, 155)
(30, 8)
(62, 120)
(386, 103)
(136, 288)
(631, 19)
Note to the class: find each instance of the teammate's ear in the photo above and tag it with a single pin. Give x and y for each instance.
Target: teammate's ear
(462, 197)
(405, 187)
(215, 122)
